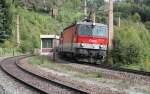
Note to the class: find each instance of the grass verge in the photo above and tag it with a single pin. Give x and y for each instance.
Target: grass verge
(47, 63)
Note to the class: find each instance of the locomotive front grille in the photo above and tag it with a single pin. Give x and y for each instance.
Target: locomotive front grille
(90, 52)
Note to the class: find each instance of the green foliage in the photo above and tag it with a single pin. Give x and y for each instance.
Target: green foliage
(131, 7)
(7, 44)
(131, 40)
(5, 18)
(131, 43)
(32, 24)
(147, 25)
(136, 17)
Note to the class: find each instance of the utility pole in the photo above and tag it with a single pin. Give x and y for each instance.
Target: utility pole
(17, 31)
(85, 8)
(119, 24)
(110, 24)
(94, 18)
(44, 4)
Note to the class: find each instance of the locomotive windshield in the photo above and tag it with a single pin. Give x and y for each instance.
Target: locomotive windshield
(89, 30)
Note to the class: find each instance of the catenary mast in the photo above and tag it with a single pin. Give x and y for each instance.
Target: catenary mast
(110, 24)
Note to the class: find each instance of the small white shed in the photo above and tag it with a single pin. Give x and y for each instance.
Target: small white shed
(48, 43)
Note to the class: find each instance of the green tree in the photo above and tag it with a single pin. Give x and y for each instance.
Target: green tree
(5, 19)
(136, 17)
(147, 25)
(131, 44)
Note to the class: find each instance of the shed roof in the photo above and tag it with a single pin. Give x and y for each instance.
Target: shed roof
(49, 36)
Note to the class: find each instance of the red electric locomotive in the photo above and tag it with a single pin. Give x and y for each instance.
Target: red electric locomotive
(85, 41)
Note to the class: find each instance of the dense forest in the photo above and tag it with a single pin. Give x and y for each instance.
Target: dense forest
(131, 36)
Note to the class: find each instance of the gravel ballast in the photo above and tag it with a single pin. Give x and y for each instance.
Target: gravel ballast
(67, 80)
(9, 85)
(110, 80)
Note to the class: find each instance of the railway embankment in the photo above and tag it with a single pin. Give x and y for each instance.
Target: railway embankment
(88, 77)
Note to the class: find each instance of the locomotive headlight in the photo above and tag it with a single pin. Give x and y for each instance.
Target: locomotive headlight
(100, 46)
(103, 47)
(81, 45)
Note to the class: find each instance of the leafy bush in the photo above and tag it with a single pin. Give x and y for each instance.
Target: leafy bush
(131, 44)
(147, 25)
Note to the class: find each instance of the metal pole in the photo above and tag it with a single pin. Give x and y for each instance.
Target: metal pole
(54, 49)
(110, 24)
(17, 32)
(94, 18)
(85, 8)
(119, 24)
(44, 4)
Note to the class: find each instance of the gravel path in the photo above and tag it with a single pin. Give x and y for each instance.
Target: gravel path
(8, 85)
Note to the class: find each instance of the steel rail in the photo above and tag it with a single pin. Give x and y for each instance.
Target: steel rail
(4, 67)
(109, 67)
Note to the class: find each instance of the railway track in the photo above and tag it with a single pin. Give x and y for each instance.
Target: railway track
(44, 86)
(111, 72)
(138, 72)
(109, 67)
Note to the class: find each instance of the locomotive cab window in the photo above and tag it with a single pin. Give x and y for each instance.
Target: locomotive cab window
(99, 31)
(85, 30)
(89, 30)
